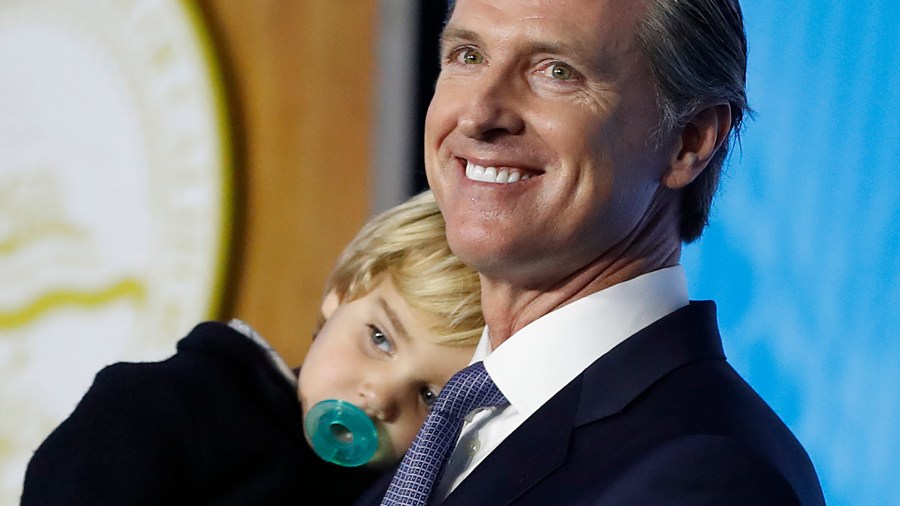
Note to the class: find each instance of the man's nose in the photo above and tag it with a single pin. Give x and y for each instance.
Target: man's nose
(491, 107)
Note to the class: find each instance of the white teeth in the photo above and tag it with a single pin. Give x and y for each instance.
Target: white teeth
(492, 175)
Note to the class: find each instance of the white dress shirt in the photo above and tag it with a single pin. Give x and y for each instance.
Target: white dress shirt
(543, 357)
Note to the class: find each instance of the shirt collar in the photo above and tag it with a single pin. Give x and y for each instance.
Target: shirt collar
(543, 357)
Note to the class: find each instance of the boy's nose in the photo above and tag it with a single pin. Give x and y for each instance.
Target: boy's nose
(379, 401)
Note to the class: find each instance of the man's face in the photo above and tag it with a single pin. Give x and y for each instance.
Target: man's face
(553, 101)
(376, 352)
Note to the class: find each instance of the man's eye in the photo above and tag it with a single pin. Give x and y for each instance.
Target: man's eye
(468, 56)
(472, 57)
(380, 340)
(428, 396)
(561, 71)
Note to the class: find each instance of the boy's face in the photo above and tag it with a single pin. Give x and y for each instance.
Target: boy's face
(376, 353)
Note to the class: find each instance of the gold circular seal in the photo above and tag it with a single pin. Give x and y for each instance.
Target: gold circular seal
(115, 199)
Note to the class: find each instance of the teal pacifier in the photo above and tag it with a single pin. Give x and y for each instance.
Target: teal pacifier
(341, 433)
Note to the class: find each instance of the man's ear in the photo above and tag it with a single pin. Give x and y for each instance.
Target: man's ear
(330, 303)
(696, 145)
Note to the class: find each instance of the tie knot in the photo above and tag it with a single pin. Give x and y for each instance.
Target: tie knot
(424, 462)
(467, 390)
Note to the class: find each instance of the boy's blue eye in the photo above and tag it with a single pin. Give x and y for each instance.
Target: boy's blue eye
(380, 340)
(428, 396)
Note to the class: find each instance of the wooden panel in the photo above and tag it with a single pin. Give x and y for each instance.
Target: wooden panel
(300, 78)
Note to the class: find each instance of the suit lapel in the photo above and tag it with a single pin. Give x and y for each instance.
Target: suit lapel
(540, 445)
(618, 377)
(534, 450)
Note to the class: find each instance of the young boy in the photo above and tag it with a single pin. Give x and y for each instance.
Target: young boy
(220, 422)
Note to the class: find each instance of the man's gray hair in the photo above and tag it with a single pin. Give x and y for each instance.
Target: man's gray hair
(697, 51)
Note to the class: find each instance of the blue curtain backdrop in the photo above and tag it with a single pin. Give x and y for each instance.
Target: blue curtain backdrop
(803, 256)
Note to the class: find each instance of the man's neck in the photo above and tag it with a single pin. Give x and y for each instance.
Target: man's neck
(508, 307)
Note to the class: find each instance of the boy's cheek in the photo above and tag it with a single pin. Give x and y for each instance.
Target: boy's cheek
(311, 386)
(393, 441)
(322, 380)
(403, 433)
(303, 397)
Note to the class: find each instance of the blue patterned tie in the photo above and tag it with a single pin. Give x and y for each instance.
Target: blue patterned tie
(424, 462)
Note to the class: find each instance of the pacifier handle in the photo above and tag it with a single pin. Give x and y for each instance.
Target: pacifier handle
(341, 433)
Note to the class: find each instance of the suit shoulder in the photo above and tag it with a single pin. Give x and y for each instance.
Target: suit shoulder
(700, 469)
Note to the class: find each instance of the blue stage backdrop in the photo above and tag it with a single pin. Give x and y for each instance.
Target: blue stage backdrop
(803, 256)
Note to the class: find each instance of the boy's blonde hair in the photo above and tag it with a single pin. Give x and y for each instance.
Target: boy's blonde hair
(408, 243)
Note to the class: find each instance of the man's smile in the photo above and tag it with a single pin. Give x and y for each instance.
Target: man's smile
(494, 174)
(498, 173)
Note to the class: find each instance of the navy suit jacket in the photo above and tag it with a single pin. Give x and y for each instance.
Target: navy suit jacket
(661, 419)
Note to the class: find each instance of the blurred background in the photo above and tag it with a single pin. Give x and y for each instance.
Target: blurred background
(163, 162)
